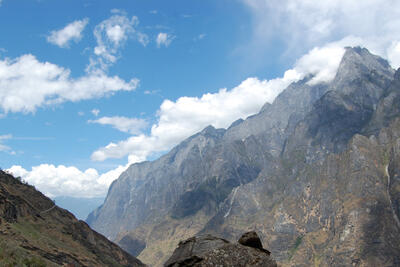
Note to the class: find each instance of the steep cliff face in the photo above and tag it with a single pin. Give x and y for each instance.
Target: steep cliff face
(340, 211)
(324, 208)
(35, 232)
(307, 172)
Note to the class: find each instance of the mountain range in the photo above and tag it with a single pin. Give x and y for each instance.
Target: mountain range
(315, 174)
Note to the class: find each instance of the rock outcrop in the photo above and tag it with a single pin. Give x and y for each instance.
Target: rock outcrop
(36, 232)
(208, 250)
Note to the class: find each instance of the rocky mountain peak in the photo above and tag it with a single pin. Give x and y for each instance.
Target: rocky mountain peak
(357, 63)
(276, 171)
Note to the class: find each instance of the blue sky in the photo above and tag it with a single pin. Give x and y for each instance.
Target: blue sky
(89, 87)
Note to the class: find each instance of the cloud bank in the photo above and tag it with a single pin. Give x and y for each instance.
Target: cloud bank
(71, 32)
(26, 84)
(302, 25)
(182, 118)
(61, 180)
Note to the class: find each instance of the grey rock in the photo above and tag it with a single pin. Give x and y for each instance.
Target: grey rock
(309, 166)
(212, 251)
(251, 239)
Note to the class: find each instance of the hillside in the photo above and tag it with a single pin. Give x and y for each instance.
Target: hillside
(36, 232)
(315, 173)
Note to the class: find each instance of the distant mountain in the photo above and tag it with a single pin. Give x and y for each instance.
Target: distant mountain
(36, 232)
(80, 207)
(315, 173)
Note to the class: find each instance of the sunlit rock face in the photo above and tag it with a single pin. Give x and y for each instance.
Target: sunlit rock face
(315, 173)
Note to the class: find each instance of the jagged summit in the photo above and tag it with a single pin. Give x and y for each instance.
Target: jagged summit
(357, 63)
(300, 172)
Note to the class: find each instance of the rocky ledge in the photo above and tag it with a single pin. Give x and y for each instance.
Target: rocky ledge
(208, 250)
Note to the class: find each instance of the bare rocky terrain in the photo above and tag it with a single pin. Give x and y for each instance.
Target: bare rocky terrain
(315, 173)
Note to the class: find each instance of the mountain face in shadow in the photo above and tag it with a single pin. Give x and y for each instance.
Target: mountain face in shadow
(36, 232)
(315, 173)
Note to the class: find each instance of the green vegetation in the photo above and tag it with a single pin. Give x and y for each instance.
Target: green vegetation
(297, 243)
(11, 256)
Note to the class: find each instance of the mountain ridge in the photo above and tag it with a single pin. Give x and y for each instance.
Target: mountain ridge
(252, 169)
(36, 232)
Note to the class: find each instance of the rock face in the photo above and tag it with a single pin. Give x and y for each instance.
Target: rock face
(35, 232)
(251, 239)
(212, 251)
(315, 173)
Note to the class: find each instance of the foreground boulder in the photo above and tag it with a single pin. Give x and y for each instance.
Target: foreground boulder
(208, 250)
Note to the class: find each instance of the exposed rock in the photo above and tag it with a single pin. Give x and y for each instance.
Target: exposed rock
(34, 229)
(251, 239)
(131, 245)
(308, 173)
(212, 251)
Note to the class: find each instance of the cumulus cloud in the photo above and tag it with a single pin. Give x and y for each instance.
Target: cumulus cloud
(61, 180)
(123, 124)
(188, 115)
(26, 84)
(302, 25)
(164, 39)
(111, 34)
(71, 32)
(321, 62)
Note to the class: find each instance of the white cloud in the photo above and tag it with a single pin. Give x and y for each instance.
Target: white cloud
(164, 39)
(72, 31)
(95, 112)
(123, 124)
(302, 25)
(81, 113)
(321, 62)
(188, 115)
(394, 53)
(26, 84)
(2, 146)
(111, 34)
(68, 181)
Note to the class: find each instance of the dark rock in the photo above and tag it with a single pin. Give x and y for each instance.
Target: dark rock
(132, 245)
(251, 239)
(213, 251)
